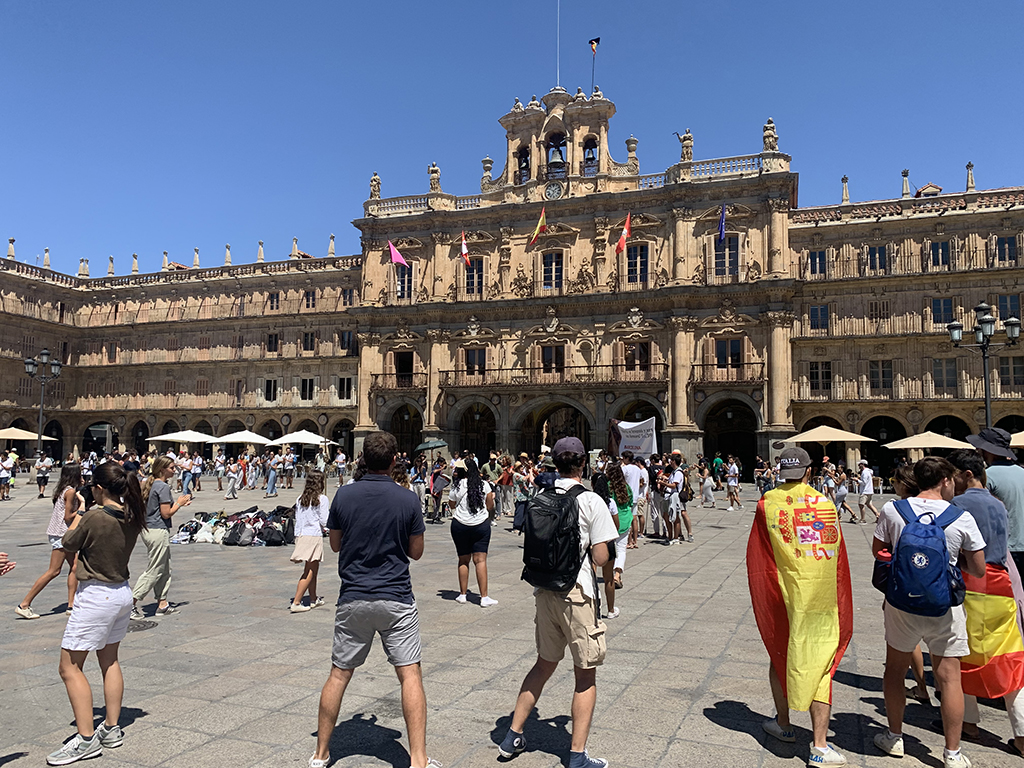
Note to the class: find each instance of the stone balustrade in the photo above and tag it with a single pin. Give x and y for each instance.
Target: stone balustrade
(741, 165)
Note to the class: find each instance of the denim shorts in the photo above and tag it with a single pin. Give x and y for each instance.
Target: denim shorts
(357, 621)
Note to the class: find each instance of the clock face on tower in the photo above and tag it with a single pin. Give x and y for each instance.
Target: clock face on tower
(553, 190)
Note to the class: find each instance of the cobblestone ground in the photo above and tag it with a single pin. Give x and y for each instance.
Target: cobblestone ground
(234, 678)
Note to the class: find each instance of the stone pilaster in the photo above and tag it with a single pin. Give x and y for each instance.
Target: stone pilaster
(780, 370)
(679, 372)
(778, 239)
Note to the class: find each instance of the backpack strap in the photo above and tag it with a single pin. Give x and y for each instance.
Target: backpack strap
(905, 511)
(948, 517)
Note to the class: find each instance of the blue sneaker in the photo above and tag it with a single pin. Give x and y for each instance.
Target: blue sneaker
(513, 744)
(584, 760)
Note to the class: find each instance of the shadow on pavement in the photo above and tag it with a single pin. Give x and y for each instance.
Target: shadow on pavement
(128, 716)
(737, 716)
(360, 735)
(11, 757)
(549, 735)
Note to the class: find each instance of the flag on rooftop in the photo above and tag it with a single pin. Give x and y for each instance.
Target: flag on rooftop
(396, 257)
(542, 226)
(626, 232)
(594, 43)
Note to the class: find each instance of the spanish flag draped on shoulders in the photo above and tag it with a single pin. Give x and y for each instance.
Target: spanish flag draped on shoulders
(799, 579)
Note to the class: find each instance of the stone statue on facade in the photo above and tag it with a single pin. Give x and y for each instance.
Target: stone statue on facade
(518, 106)
(375, 186)
(700, 274)
(435, 177)
(771, 138)
(685, 146)
(521, 285)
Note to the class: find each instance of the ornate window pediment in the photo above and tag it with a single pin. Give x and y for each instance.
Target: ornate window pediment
(734, 211)
(727, 319)
(474, 331)
(638, 221)
(402, 334)
(635, 322)
(563, 233)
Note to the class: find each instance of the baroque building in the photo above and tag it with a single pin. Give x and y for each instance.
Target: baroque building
(731, 315)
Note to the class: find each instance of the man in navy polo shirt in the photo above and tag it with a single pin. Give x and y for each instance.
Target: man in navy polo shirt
(376, 526)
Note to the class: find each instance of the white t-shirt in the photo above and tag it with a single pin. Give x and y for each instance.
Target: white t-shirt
(310, 521)
(867, 481)
(218, 462)
(44, 466)
(340, 460)
(459, 496)
(961, 534)
(733, 475)
(6, 466)
(596, 527)
(635, 476)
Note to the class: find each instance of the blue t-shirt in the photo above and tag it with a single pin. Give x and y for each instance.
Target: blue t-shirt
(990, 515)
(376, 517)
(1006, 481)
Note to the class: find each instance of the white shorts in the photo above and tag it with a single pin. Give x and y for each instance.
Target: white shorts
(100, 616)
(620, 551)
(56, 542)
(944, 635)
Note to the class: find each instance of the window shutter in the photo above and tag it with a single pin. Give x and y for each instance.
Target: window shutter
(389, 363)
(535, 356)
(899, 378)
(316, 388)
(837, 381)
(864, 383)
(804, 382)
(618, 357)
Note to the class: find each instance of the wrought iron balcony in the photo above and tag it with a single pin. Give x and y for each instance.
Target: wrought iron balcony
(398, 381)
(739, 373)
(568, 375)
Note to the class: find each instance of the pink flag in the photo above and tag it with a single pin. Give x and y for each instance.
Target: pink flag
(396, 257)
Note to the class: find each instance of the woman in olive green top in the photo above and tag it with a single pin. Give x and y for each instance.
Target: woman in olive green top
(104, 538)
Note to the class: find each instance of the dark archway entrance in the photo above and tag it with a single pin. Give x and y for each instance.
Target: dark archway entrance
(100, 438)
(883, 429)
(233, 450)
(478, 431)
(950, 426)
(731, 428)
(308, 452)
(342, 435)
(55, 450)
(205, 449)
(1012, 424)
(139, 437)
(835, 451)
(24, 448)
(270, 430)
(407, 427)
(551, 422)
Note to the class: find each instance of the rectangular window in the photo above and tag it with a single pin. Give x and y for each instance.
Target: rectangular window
(140, 388)
(347, 342)
(944, 374)
(111, 351)
(1011, 371)
(1009, 306)
(348, 297)
(553, 271)
(241, 306)
(61, 311)
(729, 353)
(878, 310)
(817, 262)
(344, 387)
(877, 258)
(1006, 250)
(273, 343)
(172, 343)
(306, 388)
(58, 390)
(403, 281)
(93, 347)
(24, 387)
(821, 376)
(475, 276)
(942, 311)
(92, 388)
(235, 389)
(819, 317)
(309, 298)
(170, 387)
(309, 341)
(273, 301)
(880, 376)
(638, 356)
(202, 387)
(552, 358)
(204, 342)
(940, 254)
(270, 390)
(727, 256)
(476, 362)
(108, 388)
(174, 311)
(636, 264)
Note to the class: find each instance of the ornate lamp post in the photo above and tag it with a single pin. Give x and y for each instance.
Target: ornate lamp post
(32, 369)
(984, 330)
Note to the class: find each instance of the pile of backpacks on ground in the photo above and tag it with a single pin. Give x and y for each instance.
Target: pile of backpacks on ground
(251, 527)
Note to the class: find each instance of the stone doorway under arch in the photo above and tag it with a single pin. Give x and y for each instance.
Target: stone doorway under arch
(1012, 424)
(138, 438)
(882, 429)
(731, 428)
(641, 410)
(549, 423)
(205, 449)
(233, 450)
(407, 427)
(950, 426)
(478, 431)
(100, 438)
(342, 435)
(54, 450)
(836, 452)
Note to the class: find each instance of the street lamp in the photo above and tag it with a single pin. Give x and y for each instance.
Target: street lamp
(984, 330)
(32, 369)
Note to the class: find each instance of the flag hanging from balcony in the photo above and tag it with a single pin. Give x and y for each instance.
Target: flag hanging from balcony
(542, 226)
(396, 257)
(626, 232)
(594, 43)
(465, 249)
(721, 224)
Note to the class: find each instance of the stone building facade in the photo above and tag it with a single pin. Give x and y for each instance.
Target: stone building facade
(730, 314)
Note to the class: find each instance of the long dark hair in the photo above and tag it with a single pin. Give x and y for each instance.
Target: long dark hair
(600, 483)
(360, 470)
(125, 485)
(313, 490)
(474, 485)
(617, 483)
(70, 477)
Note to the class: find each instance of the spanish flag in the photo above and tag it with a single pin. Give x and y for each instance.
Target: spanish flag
(799, 579)
(995, 665)
(465, 249)
(594, 43)
(626, 232)
(542, 226)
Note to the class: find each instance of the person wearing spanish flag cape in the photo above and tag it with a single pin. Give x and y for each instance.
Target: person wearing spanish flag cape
(799, 579)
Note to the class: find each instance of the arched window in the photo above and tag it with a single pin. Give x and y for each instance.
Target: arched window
(522, 165)
(589, 165)
(556, 167)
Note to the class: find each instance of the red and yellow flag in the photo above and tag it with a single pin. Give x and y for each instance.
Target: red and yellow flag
(799, 579)
(995, 665)
(542, 226)
(626, 232)
(465, 249)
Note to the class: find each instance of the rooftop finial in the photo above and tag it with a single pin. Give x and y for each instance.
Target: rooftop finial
(164, 267)
(970, 177)
(330, 248)
(906, 182)
(83, 267)
(227, 255)
(195, 259)
(846, 190)
(10, 248)
(295, 249)
(135, 263)
(110, 266)
(259, 254)
(46, 258)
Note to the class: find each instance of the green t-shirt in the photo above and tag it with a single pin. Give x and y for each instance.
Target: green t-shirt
(625, 512)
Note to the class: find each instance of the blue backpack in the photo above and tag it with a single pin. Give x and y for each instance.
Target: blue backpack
(921, 580)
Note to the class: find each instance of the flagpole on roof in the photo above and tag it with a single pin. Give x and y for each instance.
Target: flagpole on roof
(558, 43)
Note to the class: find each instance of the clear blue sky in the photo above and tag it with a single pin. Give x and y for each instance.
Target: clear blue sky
(142, 127)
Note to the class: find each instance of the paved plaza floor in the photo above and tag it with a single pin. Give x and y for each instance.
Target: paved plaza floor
(234, 678)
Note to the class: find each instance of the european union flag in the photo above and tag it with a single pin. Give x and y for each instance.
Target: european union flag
(721, 224)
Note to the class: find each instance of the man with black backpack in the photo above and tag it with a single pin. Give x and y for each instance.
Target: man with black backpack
(924, 595)
(561, 524)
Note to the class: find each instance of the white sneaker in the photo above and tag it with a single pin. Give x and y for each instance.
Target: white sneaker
(315, 762)
(960, 761)
(772, 728)
(891, 745)
(26, 613)
(461, 599)
(613, 615)
(730, 509)
(298, 608)
(826, 756)
(487, 602)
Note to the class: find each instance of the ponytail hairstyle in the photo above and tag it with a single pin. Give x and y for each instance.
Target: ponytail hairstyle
(617, 483)
(70, 477)
(314, 489)
(111, 477)
(360, 470)
(474, 487)
(160, 465)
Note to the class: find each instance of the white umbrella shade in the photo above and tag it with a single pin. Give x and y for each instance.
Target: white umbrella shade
(825, 434)
(185, 436)
(1016, 440)
(302, 437)
(245, 436)
(14, 433)
(927, 440)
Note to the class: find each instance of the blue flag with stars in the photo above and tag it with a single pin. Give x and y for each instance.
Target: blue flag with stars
(721, 224)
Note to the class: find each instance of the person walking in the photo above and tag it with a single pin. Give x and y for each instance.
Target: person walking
(103, 539)
(219, 466)
(797, 568)
(156, 536)
(570, 618)
(42, 467)
(232, 470)
(471, 499)
(707, 487)
(271, 466)
(675, 496)
(842, 491)
(6, 472)
(620, 505)
(506, 492)
(376, 527)
(866, 489)
(732, 483)
(420, 478)
(289, 467)
(66, 503)
(311, 510)
(197, 471)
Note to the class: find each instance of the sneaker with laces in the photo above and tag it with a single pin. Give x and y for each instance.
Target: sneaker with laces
(316, 762)
(584, 760)
(461, 599)
(826, 756)
(79, 748)
(891, 745)
(487, 602)
(512, 745)
(166, 610)
(110, 736)
(26, 612)
(956, 761)
(689, 538)
(772, 728)
(317, 603)
(298, 608)
(613, 614)
(137, 615)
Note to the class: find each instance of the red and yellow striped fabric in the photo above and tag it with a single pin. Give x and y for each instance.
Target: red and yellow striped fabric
(995, 666)
(799, 579)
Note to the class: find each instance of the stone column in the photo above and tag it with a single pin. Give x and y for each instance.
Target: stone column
(369, 364)
(778, 239)
(442, 240)
(679, 371)
(600, 249)
(438, 359)
(780, 370)
(679, 243)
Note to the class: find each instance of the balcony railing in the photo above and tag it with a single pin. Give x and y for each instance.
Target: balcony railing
(726, 166)
(641, 282)
(400, 381)
(713, 373)
(548, 172)
(588, 168)
(580, 375)
(520, 177)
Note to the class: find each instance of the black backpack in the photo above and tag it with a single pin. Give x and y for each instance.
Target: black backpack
(551, 539)
(234, 535)
(289, 530)
(272, 535)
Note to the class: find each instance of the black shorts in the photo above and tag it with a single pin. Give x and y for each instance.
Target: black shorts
(471, 538)
(42, 480)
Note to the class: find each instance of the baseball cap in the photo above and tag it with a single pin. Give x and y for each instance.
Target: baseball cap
(568, 445)
(793, 462)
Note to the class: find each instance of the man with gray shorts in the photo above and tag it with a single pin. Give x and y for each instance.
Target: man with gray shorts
(376, 526)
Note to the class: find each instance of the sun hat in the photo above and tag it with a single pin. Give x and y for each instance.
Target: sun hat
(993, 440)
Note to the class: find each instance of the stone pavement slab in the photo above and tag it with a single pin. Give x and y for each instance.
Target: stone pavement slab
(234, 678)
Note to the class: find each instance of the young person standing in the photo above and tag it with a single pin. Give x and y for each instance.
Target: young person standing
(311, 510)
(471, 499)
(43, 466)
